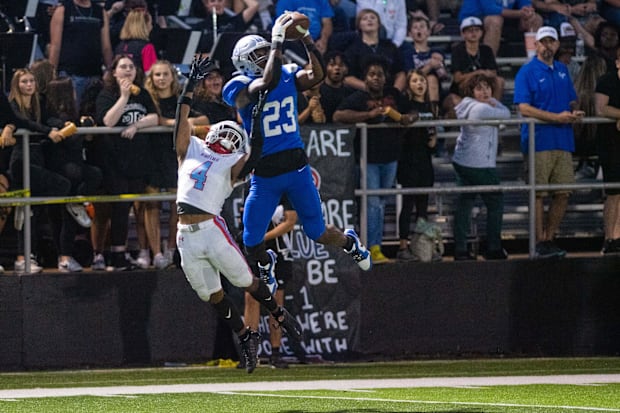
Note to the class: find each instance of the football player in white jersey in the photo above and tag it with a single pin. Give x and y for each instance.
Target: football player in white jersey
(207, 172)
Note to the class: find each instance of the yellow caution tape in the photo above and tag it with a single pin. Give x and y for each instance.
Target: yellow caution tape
(24, 193)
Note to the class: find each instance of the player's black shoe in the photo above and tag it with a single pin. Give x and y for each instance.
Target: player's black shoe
(286, 321)
(249, 349)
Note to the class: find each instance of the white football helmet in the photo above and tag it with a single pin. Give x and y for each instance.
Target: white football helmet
(244, 55)
(226, 137)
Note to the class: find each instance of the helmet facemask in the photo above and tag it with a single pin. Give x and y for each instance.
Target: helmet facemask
(226, 137)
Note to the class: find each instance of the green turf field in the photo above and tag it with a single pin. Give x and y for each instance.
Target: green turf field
(472, 386)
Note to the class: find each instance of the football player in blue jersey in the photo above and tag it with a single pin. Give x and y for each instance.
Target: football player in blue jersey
(283, 167)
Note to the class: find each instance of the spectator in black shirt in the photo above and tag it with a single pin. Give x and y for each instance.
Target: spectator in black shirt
(384, 145)
(25, 104)
(368, 43)
(332, 89)
(131, 162)
(80, 42)
(470, 57)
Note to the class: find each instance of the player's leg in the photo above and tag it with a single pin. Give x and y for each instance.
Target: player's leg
(263, 198)
(202, 273)
(306, 201)
(228, 258)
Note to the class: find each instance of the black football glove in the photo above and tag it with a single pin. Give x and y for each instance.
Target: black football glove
(201, 66)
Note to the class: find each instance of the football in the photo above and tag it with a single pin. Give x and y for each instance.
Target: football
(300, 26)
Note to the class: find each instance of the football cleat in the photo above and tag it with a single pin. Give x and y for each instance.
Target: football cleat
(267, 272)
(249, 349)
(358, 251)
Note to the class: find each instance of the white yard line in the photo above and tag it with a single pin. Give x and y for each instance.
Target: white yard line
(577, 379)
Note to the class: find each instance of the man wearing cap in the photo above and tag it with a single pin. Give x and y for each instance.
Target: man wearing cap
(493, 13)
(544, 90)
(470, 58)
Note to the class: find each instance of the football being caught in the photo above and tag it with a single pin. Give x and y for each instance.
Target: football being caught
(300, 26)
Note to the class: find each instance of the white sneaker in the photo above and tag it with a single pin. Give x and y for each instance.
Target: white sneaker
(98, 263)
(160, 261)
(20, 266)
(144, 259)
(69, 265)
(78, 212)
(1, 269)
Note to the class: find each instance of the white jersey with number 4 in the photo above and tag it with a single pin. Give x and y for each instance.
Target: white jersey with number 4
(204, 177)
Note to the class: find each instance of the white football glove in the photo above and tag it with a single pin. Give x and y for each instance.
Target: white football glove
(278, 31)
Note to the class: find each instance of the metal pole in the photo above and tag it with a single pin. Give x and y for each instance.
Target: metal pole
(531, 152)
(364, 183)
(27, 223)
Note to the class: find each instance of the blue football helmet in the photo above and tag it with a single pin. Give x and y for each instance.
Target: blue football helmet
(244, 55)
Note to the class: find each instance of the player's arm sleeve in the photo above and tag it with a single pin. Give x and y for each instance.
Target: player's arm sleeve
(233, 88)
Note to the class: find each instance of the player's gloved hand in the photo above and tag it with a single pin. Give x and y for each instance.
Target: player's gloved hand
(201, 66)
(278, 31)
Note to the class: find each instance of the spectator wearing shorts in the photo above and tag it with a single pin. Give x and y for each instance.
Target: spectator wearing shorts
(545, 91)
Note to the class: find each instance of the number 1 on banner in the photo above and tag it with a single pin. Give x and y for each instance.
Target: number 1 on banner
(306, 305)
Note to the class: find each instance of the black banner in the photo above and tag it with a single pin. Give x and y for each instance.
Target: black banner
(325, 289)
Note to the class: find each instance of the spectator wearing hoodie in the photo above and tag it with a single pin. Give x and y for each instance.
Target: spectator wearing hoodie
(474, 162)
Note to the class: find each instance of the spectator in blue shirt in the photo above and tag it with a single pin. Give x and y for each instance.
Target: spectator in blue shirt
(545, 91)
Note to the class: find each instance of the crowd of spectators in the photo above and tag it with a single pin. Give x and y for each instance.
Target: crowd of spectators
(103, 64)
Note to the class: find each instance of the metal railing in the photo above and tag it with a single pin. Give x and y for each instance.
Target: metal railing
(27, 201)
(531, 187)
(363, 192)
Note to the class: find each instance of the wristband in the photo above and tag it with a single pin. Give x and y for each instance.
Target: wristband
(184, 100)
(276, 45)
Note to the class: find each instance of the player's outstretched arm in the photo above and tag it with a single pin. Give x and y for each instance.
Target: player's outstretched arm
(201, 66)
(312, 76)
